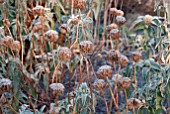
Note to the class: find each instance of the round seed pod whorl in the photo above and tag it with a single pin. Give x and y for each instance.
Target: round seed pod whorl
(113, 55)
(104, 71)
(120, 20)
(86, 46)
(5, 85)
(65, 54)
(124, 82)
(113, 11)
(116, 77)
(114, 34)
(133, 103)
(79, 4)
(99, 84)
(111, 27)
(16, 46)
(38, 10)
(57, 88)
(119, 13)
(51, 36)
(124, 60)
(136, 56)
(7, 41)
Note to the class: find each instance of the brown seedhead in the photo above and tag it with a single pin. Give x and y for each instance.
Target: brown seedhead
(124, 60)
(64, 28)
(133, 103)
(111, 27)
(116, 77)
(7, 41)
(99, 84)
(79, 4)
(104, 71)
(57, 88)
(51, 36)
(114, 34)
(16, 46)
(113, 55)
(65, 54)
(86, 46)
(124, 82)
(136, 56)
(120, 20)
(38, 10)
(113, 11)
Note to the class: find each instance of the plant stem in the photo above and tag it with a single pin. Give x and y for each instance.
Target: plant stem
(107, 110)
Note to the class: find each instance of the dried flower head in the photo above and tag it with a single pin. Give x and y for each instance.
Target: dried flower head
(120, 20)
(64, 28)
(119, 13)
(40, 26)
(148, 19)
(99, 84)
(113, 55)
(114, 34)
(136, 56)
(113, 11)
(124, 60)
(5, 85)
(111, 27)
(38, 10)
(86, 46)
(79, 4)
(58, 88)
(7, 41)
(133, 103)
(51, 36)
(104, 71)
(16, 46)
(124, 82)
(116, 77)
(65, 54)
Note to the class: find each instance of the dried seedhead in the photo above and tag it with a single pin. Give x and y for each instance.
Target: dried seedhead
(64, 28)
(99, 84)
(7, 41)
(57, 88)
(78, 4)
(124, 60)
(114, 34)
(116, 77)
(75, 19)
(65, 54)
(86, 46)
(148, 19)
(115, 11)
(113, 55)
(5, 85)
(124, 82)
(111, 27)
(1, 2)
(3, 100)
(104, 71)
(120, 20)
(38, 10)
(133, 103)
(51, 36)
(16, 46)
(40, 26)
(136, 56)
